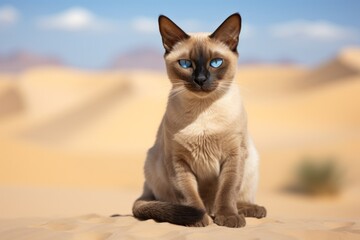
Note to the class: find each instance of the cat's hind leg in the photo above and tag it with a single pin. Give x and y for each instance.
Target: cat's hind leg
(246, 199)
(251, 210)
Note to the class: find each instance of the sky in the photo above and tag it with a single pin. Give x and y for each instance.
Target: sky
(89, 34)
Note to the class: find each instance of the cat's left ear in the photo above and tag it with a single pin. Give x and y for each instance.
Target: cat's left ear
(170, 33)
(228, 32)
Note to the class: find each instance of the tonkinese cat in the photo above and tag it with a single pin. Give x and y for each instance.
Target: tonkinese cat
(203, 166)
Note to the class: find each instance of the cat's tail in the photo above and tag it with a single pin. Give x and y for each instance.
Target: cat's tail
(167, 212)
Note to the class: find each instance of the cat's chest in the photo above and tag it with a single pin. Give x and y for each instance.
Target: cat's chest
(205, 137)
(202, 142)
(206, 124)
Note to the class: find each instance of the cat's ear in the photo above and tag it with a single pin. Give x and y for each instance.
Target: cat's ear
(170, 33)
(228, 32)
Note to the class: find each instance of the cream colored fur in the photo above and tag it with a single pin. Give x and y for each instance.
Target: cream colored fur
(217, 118)
(203, 159)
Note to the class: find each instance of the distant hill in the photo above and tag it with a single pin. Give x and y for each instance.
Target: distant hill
(148, 58)
(256, 62)
(343, 66)
(142, 58)
(22, 60)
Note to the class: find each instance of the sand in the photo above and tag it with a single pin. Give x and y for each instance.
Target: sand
(73, 144)
(96, 227)
(64, 213)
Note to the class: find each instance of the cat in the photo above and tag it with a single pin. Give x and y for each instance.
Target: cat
(203, 165)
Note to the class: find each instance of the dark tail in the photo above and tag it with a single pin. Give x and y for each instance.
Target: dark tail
(167, 212)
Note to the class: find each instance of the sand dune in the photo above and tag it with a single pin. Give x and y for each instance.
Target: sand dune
(11, 100)
(74, 142)
(342, 67)
(261, 81)
(23, 60)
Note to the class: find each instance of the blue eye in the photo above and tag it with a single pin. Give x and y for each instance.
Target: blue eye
(184, 63)
(216, 62)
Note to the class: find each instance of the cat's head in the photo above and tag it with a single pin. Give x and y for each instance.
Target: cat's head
(201, 63)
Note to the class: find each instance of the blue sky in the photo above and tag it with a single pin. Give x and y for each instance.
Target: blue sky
(89, 33)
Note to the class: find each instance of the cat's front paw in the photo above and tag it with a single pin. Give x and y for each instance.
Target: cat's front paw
(233, 220)
(205, 221)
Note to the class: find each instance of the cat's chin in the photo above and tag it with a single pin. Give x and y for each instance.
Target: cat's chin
(201, 93)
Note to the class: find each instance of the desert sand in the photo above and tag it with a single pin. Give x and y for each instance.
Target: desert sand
(73, 143)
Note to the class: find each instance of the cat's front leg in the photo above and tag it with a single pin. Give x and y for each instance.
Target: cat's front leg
(186, 189)
(226, 212)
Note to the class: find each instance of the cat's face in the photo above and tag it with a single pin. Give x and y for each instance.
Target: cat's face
(201, 63)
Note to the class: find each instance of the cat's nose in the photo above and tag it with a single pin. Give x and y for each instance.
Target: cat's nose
(200, 80)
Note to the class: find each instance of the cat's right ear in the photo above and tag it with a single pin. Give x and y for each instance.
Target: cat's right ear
(228, 32)
(170, 33)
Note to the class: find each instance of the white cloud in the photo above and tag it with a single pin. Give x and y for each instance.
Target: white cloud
(8, 15)
(313, 30)
(74, 19)
(150, 25)
(144, 25)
